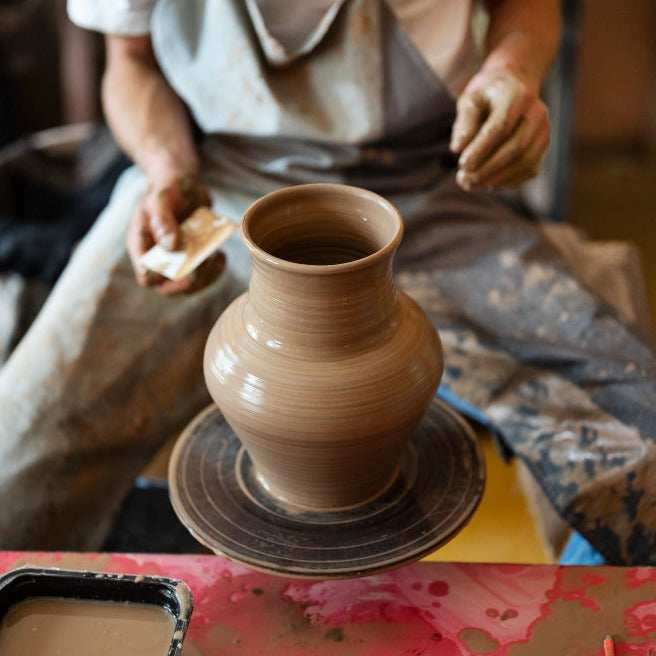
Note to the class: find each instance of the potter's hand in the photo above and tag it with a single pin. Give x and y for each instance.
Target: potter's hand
(501, 131)
(156, 219)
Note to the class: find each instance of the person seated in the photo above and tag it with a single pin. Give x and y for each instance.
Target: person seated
(219, 102)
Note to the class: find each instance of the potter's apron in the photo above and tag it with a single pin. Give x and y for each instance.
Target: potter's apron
(332, 90)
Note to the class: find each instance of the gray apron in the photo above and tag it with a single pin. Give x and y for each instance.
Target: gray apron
(335, 91)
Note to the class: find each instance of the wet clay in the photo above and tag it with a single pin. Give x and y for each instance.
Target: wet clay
(478, 641)
(614, 601)
(323, 368)
(70, 627)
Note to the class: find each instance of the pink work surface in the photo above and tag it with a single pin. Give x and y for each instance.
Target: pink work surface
(423, 609)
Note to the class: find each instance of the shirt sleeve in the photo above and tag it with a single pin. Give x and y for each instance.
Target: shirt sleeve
(129, 17)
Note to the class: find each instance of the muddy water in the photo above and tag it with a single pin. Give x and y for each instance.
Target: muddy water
(47, 626)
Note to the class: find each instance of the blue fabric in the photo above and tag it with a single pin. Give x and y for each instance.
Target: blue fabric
(578, 551)
(463, 407)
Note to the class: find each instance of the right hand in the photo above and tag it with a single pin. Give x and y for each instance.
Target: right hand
(156, 220)
(501, 131)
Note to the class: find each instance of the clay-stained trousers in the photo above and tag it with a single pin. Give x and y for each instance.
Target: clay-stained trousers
(107, 372)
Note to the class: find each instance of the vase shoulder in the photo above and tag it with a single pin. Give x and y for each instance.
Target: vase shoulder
(239, 341)
(252, 372)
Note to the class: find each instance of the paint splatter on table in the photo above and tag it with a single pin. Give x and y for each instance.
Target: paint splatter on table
(423, 609)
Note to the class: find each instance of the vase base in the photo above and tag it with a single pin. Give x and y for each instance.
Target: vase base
(250, 480)
(215, 493)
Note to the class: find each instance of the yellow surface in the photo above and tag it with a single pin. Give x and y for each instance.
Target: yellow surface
(502, 529)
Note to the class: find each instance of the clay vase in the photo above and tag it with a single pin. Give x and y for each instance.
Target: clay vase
(323, 368)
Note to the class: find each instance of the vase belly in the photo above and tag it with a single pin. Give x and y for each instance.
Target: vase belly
(325, 425)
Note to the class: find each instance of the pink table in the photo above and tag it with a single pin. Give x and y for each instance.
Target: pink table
(424, 609)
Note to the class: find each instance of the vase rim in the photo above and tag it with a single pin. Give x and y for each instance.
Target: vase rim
(321, 188)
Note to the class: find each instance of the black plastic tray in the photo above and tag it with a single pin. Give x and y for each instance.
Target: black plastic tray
(169, 594)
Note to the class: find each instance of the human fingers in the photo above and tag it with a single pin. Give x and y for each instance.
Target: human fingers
(506, 154)
(508, 102)
(471, 109)
(531, 133)
(162, 208)
(137, 241)
(173, 202)
(522, 169)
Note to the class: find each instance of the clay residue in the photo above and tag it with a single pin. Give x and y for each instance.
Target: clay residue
(584, 610)
(335, 633)
(478, 641)
(256, 610)
(221, 635)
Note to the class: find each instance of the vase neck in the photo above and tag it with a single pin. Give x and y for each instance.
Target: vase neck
(319, 308)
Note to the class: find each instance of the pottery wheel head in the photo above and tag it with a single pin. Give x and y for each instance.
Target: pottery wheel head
(215, 493)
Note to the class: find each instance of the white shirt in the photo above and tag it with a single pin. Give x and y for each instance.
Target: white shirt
(440, 29)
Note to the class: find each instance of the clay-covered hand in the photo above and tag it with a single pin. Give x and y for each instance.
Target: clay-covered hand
(156, 220)
(501, 131)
